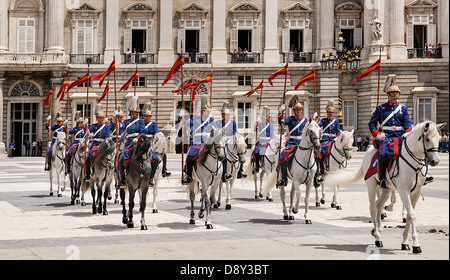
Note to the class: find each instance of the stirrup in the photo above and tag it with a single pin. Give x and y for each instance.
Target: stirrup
(241, 175)
(166, 174)
(186, 181)
(281, 183)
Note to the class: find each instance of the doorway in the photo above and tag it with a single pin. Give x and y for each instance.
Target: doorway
(296, 39)
(347, 34)
(23, 127)
(245, 40)
(139, 39)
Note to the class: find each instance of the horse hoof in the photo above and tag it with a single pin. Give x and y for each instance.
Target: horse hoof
(338, 207)
(77, 201)
(209, 226)
(59, 195)
(51, 194)
(116, 201)
(322, 201)
(105, 213)
(261, 195)
(317, 204)
(270, 199)
(379, 244)
(124, 221)
(372, 232)
(192, 222)
(155, 211)
(143, 227)
(130, 225)
(228, 207)
(216, 206)
(291, 218)
(256, 197)
(109, 197)
(201, 215)
(405, 247)
(417, 250)
(83, 203)
(333, 205)
(383, 216)
(404, 220)
(295, 212)
(72, 202)
(308, 222)
(286, 218)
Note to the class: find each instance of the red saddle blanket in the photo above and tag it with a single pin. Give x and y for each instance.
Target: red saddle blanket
(373, 169)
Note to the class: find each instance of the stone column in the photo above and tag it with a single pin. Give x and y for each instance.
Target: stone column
(112, 30)
(377, 46)
(443, 27)
(327, 25)
(55, 26)
(4, 26)
(2, 125)
(166, 55)
(397, 22)
(271, 51)
(219, 50)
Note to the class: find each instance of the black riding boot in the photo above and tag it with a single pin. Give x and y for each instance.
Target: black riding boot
(241, 173)
(68, 164)
(320, 171)
(225, 176)
(121, 175)
(152, 174)
(257, 163)
(165, 173)
(189, 167)
(382, 167)
(284, 177)
(87, 176)
(48, 165)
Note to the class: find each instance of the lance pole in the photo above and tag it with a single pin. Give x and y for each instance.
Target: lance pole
(282, 117)
(86, 117)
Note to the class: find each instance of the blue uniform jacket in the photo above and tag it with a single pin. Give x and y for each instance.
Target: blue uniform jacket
(295, 134)
(331, 132)
(112, 129)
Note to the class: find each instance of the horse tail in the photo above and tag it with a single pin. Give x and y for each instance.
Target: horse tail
(270, 184)
(85, 186)
(248, 170)
(342, 177)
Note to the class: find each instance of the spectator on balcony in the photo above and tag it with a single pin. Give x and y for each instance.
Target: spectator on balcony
(439, 51)
(429, 51)
(128, 56)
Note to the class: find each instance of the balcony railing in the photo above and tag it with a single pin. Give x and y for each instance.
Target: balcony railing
(199, 58)
(32, 58)
(300, 57)
(424, 53)
(250, 57)
(85, 59)
(140, 58)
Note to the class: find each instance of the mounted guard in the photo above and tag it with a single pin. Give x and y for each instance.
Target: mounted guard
(98, 133)
(200, 128)
(117, 118)
(295, 124)
(134, 128)
(60, 126)
(266, 132)
(79, 133)
(331, 130)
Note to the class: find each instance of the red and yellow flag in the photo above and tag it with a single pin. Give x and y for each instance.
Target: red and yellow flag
(78, 82)
(187, 86)
(207, 79)
(308, 77)
(62, 90)
(127, 84)
(108, 72)
(250, 93)
(176, 66)
(49, 97)
(282, 71)
(194, 92)
(373, 67)
(105, 93)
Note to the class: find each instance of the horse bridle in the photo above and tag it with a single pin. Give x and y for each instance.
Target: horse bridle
(342, 153)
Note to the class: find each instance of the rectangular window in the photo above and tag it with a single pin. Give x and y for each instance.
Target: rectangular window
(297, 24)
(245, 23)
(244, 80)
(140, 83)
(421, 19)
(82, 108)
(26, 35)
(192, 24)
(244, 115)
(347, 23)
(350, 117)
(139, 24)
(85, 36)
(425, 109)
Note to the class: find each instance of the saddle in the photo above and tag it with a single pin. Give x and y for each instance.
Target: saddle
(291, 157)
(373, 169)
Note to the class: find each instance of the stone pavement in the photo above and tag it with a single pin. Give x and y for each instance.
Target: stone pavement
(36, 226)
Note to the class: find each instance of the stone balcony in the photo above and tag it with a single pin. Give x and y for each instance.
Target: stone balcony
(32, 58)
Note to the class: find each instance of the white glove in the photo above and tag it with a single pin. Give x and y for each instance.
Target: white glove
(182, 113)
(135, 140)
(49, 118)
(85, 121)
(381, 136)
(259, 119)
(115, 113)
(282, 108)
(65, 122)
(405, 134)
(315, 116)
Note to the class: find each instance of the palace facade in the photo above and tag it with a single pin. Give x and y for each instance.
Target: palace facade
(45, 42)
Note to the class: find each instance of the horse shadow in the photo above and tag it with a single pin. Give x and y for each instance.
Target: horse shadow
(369, 249)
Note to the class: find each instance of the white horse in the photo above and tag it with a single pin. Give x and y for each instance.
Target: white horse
(268, 164)
(160, 147)
(341, 152)
(301, 171)
(419, 149)
(235, 150)
(208, 174)
(58, 163)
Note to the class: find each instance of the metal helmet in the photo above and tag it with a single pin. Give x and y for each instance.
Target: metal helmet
(147, 110)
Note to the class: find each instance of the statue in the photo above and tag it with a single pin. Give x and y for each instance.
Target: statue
(376, 28)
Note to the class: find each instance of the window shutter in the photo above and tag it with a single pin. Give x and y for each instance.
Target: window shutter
(127, 33)
(431, 34)
(204, 41)
(410, 36)
(181, 41)
(308, 40)
(30, 40)
(256, 40)
(233, 40)
(89, 41)
(21, 40)
(358, 37)
(80, 42)
(286, 33)
(150, 41)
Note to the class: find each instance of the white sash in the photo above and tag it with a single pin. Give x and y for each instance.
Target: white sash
(203, 124)
(100, 129)
(297, 126)
(391, 115)
(264, 130)
(78, 133)
(148, 125)
(330, 124)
